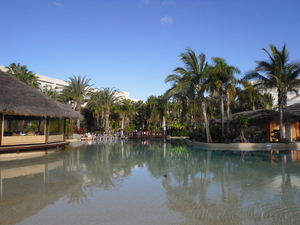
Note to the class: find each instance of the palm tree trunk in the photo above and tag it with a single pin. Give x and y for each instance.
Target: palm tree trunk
(280, 104)
(122, 123)
(222, 113)
(280, 122)
(164, 123)
(228, 111)
(206, 123)
(107, 112)
(78, 106)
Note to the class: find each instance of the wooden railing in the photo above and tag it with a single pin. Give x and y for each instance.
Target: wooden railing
(146, 134)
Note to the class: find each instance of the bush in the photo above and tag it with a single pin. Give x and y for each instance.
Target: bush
(197, 135)
(181, 132)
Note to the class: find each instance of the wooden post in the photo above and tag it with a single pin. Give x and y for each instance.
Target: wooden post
(65, 124)
(47, 130)
(1, 127)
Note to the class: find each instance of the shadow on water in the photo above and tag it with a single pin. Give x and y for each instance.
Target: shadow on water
(184, 184)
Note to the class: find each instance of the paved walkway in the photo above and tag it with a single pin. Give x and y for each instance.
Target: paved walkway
(245, 146)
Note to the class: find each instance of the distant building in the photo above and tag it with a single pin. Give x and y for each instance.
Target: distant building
(292, 98)
(49, 82)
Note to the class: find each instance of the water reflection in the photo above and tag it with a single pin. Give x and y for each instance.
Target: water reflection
(160, 180)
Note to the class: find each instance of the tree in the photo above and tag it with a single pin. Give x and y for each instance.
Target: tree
(250, 94)
(241, 123)
(181, 94)
(221, 80)
(140, 114)
(108, 96)
(95, 105)
(23, 74)
(52, 92)
(278, 72)
(155, 114)
(77, 89)
(125, 109)
(193, 77)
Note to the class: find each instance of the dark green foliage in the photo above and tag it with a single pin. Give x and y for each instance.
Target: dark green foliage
(180, 132)
(23, 74)
(215, 130)
(259, 136)
(241, 124)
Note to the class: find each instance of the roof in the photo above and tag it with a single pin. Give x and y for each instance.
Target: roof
(293, 109)
(265, 115)
(18, 98)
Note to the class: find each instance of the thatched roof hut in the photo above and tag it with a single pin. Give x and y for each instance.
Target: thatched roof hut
(293, 109)
(18, 98)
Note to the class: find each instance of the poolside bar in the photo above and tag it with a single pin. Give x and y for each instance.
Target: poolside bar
(30, 119)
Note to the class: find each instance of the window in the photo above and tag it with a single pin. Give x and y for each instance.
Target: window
(23, 125)
(56, 126)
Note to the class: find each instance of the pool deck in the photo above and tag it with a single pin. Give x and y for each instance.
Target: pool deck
(44, 147)
(245, 146)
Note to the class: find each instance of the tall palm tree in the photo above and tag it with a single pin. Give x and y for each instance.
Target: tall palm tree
(23, 74)
(194, 75)
(181, 95)
(230, 90)
(250, 94)
(153, 105)
(140, 112)
(109, 96)
(278, 72)
(95, 105)
(125, 109)
(220, 81)
(77, 89)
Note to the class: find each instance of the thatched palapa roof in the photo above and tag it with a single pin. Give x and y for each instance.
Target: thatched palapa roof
(293, 109)
(18, 98)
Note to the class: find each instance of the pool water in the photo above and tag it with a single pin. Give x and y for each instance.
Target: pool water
(150, 182)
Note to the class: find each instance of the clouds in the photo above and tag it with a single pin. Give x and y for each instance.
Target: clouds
(58, 4)
(166, 20)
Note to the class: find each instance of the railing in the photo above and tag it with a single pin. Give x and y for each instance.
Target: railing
(146, 134)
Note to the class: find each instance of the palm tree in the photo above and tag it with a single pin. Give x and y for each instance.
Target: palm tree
(277, 73)
(109, 96)
(181, 95)
(220, 81)
(250, 94)
(95, 105)
(52, 92)
(154, 119)
(125, 109)
(230, 90)
(140, 114)
(193, 77)
(77, 89)
(23, 74)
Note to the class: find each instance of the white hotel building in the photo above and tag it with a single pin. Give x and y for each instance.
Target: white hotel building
(57, 84)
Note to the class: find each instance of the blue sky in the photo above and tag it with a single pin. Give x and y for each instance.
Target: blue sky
(133, 45)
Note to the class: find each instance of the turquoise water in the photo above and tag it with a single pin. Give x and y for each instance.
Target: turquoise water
(151, 182)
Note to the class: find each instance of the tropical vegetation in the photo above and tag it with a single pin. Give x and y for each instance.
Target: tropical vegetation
(279, 73)
(201, 91)
(23, 74)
